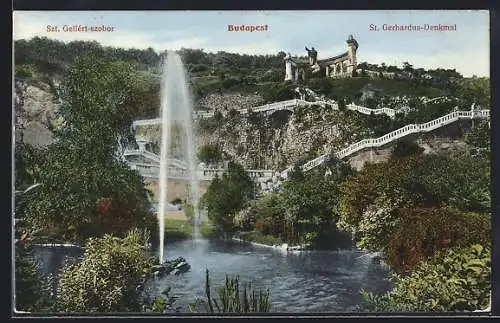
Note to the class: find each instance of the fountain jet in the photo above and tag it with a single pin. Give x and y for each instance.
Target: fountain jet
(176, 110)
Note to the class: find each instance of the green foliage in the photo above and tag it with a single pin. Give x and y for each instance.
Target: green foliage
(451, 280)
(406, 148)
(480, 136)
(233, 300)
(228, 195)
(311, 201)
(86, 189)
(108, 198)
(420, 232)
(408, 209)
(28, 160)
(177, 229)
(256, 236)
(278, 92)
(32, 287)
(24, 71)
(476, 90)
(269, 209)
(210, 154)
(108, 278)
(362, 189)
(450, 190)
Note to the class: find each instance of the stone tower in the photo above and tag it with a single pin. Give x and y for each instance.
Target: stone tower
(352, 47)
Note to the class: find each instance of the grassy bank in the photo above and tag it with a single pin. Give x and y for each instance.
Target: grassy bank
(255, 236)
(176, 229)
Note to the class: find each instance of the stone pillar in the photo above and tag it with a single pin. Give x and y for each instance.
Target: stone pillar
(142, 145)
(288, 70)
(296, 73)
(327, 70)
(352, 47)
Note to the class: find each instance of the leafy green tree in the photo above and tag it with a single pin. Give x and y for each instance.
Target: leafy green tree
(228, 195)
(476, 90)
(87, 189)
(310, 204)
(451, 280)
(109, 278)
(278, 92)
(268, 214)
(449, 190)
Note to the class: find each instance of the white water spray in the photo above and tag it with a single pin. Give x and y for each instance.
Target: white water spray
(176, 109)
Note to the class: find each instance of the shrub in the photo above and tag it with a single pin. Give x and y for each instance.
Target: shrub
(262, 226)
(406, 148)
(23, 71)
(452, 280)
(108, 278)
(420, 232)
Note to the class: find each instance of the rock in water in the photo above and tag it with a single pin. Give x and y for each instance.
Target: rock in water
(177, 266)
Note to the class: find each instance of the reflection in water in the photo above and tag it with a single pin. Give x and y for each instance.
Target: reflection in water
(315, 281)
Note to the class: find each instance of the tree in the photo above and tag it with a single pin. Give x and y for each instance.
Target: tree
(228, 195)
(450, 190)
(384, 202)
(407, 67)
(268, 214)
(83, 170)
(310, 202)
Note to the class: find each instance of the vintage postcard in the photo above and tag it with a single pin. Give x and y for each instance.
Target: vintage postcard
(251, 162)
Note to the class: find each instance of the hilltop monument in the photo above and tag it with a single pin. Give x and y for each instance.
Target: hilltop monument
(339, 66)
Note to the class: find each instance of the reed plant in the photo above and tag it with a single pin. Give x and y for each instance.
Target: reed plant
(233, 299)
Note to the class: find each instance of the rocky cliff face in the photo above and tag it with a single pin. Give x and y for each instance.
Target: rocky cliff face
(35, 109)
(273, 142)
(283, 138)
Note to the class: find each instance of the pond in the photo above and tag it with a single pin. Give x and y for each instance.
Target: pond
(313, 281)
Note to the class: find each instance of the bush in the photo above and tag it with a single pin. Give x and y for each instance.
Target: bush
(406, 148)
(108, 278)
(452, 280)
(262, 226)
(420, 232)
(22, 71)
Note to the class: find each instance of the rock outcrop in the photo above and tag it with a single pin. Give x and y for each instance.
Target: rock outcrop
(35, 109)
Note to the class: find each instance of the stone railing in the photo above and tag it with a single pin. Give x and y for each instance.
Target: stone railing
(205, 174)
(281, 105)
(387, 111)
(394, 135)
(143, 153)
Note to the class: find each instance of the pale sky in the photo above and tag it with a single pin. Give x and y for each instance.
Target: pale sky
(466, 49)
